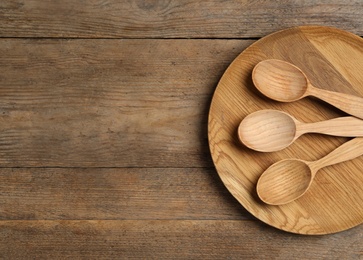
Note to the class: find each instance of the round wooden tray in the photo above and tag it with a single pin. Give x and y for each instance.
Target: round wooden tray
(333, 60)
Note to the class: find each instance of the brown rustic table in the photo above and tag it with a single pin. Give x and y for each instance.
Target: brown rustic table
(103, 136)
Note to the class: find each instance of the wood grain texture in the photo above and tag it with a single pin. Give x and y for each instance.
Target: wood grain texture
(108, 103)
(134, 113)
(171, 18)
(334, 201)
(269, 130)
(162, 239)
(289, 179)
(295, 85)
(115, 193)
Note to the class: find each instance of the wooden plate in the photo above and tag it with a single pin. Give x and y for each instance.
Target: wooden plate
(333, 60)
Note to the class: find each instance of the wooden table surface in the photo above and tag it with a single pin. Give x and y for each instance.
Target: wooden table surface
(103, 136)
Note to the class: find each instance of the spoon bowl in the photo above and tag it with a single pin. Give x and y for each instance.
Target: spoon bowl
(267, 130)
(289, 179)
(273, 130)
(285, 81)
(294, 175)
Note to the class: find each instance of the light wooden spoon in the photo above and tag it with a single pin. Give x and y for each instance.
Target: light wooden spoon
(283, 81)
(272, 130)
(289, 179)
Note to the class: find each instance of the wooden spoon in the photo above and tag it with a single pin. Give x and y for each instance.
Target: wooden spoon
(289, 179)
(283, 81)
(273, 130)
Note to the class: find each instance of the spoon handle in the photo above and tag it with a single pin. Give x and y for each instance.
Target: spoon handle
(350, 104)
(348, 126)
(345, 152)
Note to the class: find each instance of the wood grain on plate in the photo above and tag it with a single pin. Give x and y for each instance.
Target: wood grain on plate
(333, 60)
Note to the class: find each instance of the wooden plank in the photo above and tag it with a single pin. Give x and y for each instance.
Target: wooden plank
(116, 193)
(171, 19)
(109, 103)
(160, 239)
